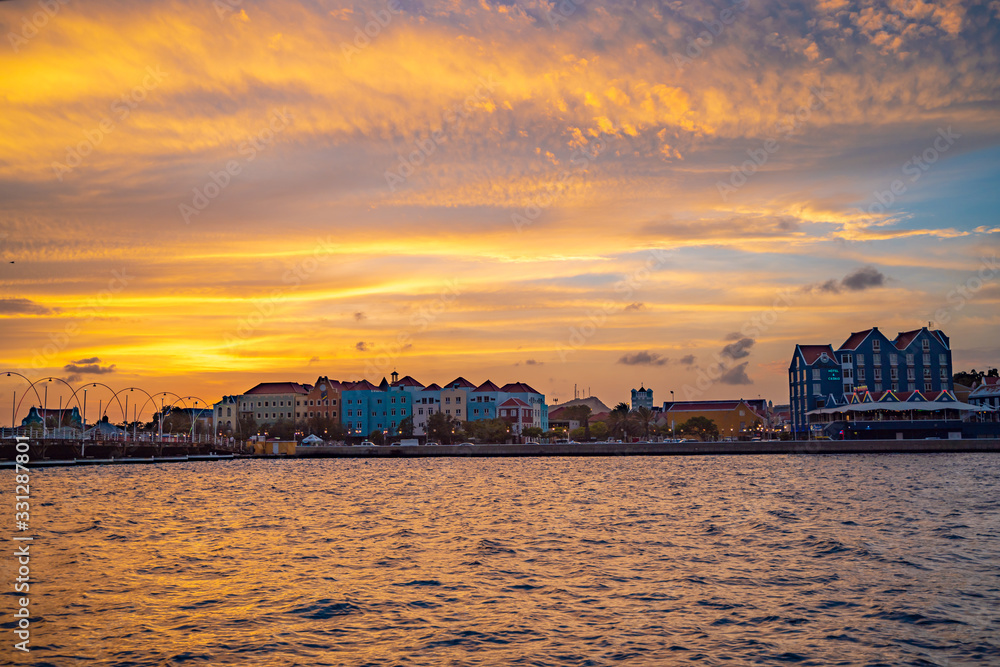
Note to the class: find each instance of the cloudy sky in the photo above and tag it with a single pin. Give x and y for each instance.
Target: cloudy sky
(197, 196)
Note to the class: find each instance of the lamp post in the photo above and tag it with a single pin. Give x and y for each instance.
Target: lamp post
(45, 403)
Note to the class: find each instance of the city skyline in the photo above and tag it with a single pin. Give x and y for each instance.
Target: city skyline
(563, 194)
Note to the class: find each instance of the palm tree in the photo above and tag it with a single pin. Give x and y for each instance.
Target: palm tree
(643, 418)
(618, 421)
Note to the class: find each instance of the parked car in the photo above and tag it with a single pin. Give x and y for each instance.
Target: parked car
(431, 443)
(531, 443)
(367, 443)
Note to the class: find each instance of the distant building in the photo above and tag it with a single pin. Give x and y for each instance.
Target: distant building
(987, 395)
(270, 401)
(56, 417)
(642, 398)
(734, 418)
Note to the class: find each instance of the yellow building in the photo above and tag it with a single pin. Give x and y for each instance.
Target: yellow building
(735, 418)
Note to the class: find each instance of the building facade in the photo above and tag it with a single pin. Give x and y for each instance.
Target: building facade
(868, 361)
(642, 398)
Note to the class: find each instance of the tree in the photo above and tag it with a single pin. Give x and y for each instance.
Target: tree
(283, 429)
(442, 427)
(599, 430)
(618, 420)
(406, 427)
(488, 430)
(246, 425)
(973, 377)
(377, 437)
(643, 418)
(532, 432)
(580, 413)
(703, 427)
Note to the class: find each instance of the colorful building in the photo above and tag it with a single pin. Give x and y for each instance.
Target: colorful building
(917, 360)
(642, 398)
(734, 418)
(270, 401)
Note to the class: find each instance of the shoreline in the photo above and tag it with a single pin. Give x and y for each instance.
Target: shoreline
(771, 447)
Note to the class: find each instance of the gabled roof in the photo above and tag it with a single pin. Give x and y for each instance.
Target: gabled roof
(904, 338)
(407, 381)
(360, 385)
(514, 402)
(433, 386)
(384, 384)
(856, 339)
(518, 388)
(280, 388)
(487, 386)
(460, 383)
(812, 353)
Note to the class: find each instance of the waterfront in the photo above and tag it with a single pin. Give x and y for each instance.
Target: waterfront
(864, 559)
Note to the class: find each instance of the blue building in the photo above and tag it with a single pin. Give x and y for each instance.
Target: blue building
(916, 362)
(642, 398)
(368, 408)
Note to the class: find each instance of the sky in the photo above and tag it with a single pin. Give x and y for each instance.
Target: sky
(199, 196)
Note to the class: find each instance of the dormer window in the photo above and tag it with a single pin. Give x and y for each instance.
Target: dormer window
(876, 345)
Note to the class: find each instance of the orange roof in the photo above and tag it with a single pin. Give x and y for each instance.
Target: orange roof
(856, 339)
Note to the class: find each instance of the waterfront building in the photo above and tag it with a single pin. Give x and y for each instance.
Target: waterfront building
(270, 401)
(987, 395)
(734, 418)
(518, 413)
(642, 398)
(225, 415)
(367, 407)
(426, 402)
(322, 401)
(917, 360)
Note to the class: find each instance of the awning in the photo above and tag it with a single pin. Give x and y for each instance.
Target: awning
(928, 406)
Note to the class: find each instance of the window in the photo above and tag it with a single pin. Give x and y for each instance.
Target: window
(876, 345)
(847, 388)
(848, 373)
(911, 386)
(861, 375)
(861, 360)
(926, 345)
(310, 414)
(893, 359)
(846, 359)
(878, 386)
(943, 359)
(910, 374)
(878, 375)
(333, 402)
(815, 374)
(448, 411)
(927, 359)
(393, 412)
(374, 414)
(379, 401)
(894, 373)
(927, 374)
(876, 360)
(944, 374)
(420, 411)
(447, 399)
(817, 390)
(458, 412)
(928, 386)
(458, 399)
(895, 386)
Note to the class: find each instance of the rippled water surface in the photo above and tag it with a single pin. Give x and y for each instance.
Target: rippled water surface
(812, 560)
